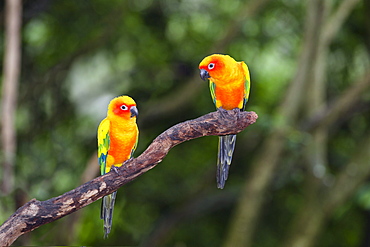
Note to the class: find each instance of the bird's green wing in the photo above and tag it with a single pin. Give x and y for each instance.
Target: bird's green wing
(103, 144)
(212, 87)
(134, 147)
(246, 84)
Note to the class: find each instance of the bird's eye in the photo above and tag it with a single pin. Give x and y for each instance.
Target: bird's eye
(124, 107)
(211, 66)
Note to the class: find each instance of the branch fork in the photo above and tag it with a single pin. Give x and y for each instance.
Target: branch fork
(37, 213)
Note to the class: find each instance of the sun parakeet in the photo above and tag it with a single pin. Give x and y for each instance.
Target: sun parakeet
(229, 82)
(117, 140)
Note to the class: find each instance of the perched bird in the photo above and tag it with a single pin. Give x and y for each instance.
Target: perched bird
(117, 140)
(229, 82)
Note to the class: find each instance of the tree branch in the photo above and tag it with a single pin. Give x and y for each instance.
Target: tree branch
(195, 207)
(11, 70)
(350, 178)
(335, 22)
(37, 213)
(325, 117)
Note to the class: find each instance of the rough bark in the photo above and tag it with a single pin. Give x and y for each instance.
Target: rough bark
(37, 213)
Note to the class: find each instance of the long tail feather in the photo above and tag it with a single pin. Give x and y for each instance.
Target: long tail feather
(106, 214)
(226, 147)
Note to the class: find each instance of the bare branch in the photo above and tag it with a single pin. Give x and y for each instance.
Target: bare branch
(37, 213)
(11, 70)
(248, 10)
(336, 20)
(350, 178)
(327, 116)
(319, 206)
(200, 205)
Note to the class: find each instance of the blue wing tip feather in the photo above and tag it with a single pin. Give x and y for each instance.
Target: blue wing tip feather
(225, 153)
(107, 212)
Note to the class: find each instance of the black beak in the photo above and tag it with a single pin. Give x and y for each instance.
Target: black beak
(204, 74)
(134, 111)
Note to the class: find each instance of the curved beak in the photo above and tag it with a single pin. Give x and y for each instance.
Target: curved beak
(204, 74)
(134, 111)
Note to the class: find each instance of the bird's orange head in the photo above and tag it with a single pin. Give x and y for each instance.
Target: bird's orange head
(217, 66)
(123, 106)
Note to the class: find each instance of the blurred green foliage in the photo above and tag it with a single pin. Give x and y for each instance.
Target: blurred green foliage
(77, 55)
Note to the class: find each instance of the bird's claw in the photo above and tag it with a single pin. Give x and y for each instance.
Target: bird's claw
(222, 112)
(121, 170)
(123, 164)
(237, 111)
(116, 170)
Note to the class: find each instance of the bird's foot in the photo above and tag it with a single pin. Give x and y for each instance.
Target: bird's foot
(123, 164)
(122, 170)
(222, 112)
(237, 111)
(116, 170)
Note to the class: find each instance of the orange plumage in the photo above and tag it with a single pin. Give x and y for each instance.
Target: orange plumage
(229, 83)
(117, 140)
(229, 80)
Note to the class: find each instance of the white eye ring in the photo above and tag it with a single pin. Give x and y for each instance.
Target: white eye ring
(211, 66)
(124, 107)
